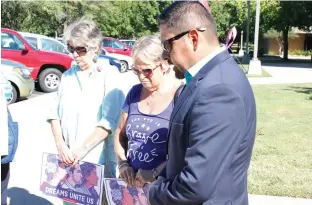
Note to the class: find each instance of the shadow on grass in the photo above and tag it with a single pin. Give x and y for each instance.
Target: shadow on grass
(297, 89)
(277, 61)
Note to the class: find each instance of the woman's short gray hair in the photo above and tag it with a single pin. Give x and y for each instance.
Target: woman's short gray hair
(148, 49)
(83, 32)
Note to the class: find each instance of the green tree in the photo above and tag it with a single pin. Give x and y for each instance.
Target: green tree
(138, 18)
(12, 14)
(292, 14)
(222, 13)
(230, 13)
(122, 19)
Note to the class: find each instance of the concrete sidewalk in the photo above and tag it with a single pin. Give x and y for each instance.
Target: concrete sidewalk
(35, 138)
(277, 200)
(284, 75)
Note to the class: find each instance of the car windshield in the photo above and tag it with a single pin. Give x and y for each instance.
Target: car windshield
(103, 51)
(33, 47)
(51, 45)
(32, 41)
(10, 41)
(129, 43)
(117, 44)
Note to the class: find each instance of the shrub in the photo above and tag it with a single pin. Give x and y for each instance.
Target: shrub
(310, 96)
(300, 53)
(272, 53)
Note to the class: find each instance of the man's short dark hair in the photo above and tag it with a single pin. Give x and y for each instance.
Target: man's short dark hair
(181, 16)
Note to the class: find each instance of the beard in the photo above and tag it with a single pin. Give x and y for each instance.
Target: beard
(178, 73)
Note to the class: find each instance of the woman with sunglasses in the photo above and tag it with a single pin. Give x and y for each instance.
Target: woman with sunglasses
(140, 138)
(88, 103)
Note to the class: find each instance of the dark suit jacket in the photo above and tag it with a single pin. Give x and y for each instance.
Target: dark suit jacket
(211, 137)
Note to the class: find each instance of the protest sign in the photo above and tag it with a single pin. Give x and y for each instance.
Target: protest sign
(79, 184)
(119, 193)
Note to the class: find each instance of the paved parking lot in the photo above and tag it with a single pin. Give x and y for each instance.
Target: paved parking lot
(35, 138)
(36, 94)
(127, 78)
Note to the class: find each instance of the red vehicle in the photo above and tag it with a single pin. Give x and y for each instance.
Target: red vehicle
(46, 67)
(113, 45)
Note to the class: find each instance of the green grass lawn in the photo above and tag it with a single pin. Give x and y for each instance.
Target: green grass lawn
(282, 158)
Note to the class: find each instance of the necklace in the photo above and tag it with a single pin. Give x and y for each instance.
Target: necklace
(151, 100)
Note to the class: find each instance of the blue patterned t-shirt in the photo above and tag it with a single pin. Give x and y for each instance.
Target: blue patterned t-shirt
(147, 134)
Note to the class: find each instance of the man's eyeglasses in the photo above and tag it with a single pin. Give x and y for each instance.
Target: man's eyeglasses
(79, 50)
(146, 72)
(167, 44)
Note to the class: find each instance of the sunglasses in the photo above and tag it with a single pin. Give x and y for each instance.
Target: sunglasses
(79, 50)
(146, 72)
(167, 44)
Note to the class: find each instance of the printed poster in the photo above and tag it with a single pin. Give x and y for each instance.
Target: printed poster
(81, 184)
(119, 193)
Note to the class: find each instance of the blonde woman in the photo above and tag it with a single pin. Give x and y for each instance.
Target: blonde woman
(140, 139)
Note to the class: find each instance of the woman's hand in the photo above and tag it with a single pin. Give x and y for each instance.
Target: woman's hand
(78, 153)
(144, 176)
(127, 174)
(65, 154)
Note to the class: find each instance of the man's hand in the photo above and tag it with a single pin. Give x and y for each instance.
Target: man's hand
(144, 176)
(147, 197)
(127, 174)
(157, 182)
(65, 154)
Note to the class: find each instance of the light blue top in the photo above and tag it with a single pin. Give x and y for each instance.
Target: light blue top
(85, 101)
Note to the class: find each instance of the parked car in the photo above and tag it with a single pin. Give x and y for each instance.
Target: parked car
(57, 45)
(113, 45)
(6, 88)
(20, 78)
(111, 60)
(125, 61)
(46, 67)
(105, 61)
(128, 42)
(44, 42)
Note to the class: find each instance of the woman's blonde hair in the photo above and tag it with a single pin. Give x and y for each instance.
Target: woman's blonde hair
(148, 49)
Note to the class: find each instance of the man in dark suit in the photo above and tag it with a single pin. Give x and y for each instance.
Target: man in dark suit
(213, 124)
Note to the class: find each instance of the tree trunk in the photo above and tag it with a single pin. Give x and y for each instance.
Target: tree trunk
(280, 46)
(280, 50)
(285, 42)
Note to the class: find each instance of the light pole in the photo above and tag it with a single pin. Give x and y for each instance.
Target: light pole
(255, 63)
(241, 51)
(246, 58)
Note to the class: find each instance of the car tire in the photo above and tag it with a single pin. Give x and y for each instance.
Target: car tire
(49, 80)
(15, 95)
(123, 66)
